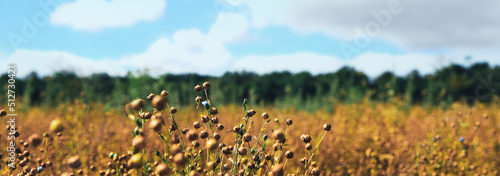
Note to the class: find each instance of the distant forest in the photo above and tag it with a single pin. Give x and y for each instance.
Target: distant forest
(302, 91)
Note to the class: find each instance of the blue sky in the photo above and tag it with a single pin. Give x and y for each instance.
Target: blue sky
(215, 36)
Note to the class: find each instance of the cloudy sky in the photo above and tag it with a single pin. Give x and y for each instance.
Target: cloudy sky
(215, 36)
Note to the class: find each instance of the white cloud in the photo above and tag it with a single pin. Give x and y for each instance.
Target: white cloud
(420, 24)
(372, 64)
(95, 15)
(185, 51)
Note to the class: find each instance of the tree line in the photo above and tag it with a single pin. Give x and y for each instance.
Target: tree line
(477, 83)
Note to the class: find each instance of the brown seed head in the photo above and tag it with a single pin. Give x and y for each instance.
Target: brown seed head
(220, 127)
(159, 102)
(180, 159)
(137, 104)
(205, 119)
(236, 129)
(288, 122)
(308, 146)
(198, 88)
(173, 110)
(278, 170)
(306, 138)
(214, 111)
(327, 127)
(3, 113)
(164, 93)
(203, 134)
(242, 151)
(74, 162)
(35, 140)
(135, 161)
(216, 136)
(278, 135)
(56, 126)
(138, 142)
(146, 115)
(162, 170)
(206, 85)
(198, 99)
(289, 154)
(315, 171)
(175, 149)
(150, 96)
(155, 124)
(215, 120)
(250, 113)
(192, 135)
(265, 115)
(247, 137)
(196, 124)
(212, 144)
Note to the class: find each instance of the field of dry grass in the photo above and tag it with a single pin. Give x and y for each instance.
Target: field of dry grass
(365, 139)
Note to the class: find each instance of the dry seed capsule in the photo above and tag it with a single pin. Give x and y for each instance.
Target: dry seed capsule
(214, 111)
(242, 151)
(288, 122)
(247, 137)
(56, 126)
(198, 88)
(198, 99)
(315, 171)
(184, 131)
(211, 144)
(173, 110)
(220, 127)
(137, 104)
(250, 113)
(206, 85)
(196, 125)
(155, 124)
(236, 129)
(135, 161)
(150, 96)
(306, 138)
(216, 136)
(278, 135)
(164, 93)
(289, 154)
(265, 115)
(205, 119)
(327, 127)
(3, 113)
(159, 102)
(35, 140)
(195, 144)
(251, 165)
(268, 157)
(303, 160)
(74, 162)
(215, 120)
(138, 142)
(26, 153)
(192, 135)
(277, 170)
(308, 146)
(203, 134)
(180, 159)
(276, 146)
(146, 115)
(175, 149)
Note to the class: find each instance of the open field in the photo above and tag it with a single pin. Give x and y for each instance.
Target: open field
(377, 139)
